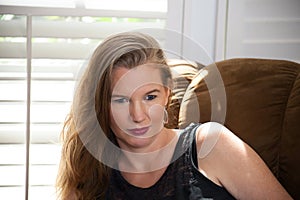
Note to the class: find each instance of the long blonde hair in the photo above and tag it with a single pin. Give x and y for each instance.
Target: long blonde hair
(81, 175)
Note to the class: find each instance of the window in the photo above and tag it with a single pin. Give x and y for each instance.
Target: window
(263, 29)
(42, 50)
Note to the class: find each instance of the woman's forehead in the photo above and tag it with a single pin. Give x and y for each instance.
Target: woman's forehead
(126, 81)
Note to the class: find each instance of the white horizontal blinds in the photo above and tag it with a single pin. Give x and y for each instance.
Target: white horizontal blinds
(12, 106)
(57, 55)
(264, 28)
(61, 45)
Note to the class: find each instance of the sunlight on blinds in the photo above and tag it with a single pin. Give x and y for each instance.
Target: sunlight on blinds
(136, 5)
(60, 47)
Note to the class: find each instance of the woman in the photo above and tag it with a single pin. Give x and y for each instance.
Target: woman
(115, 145)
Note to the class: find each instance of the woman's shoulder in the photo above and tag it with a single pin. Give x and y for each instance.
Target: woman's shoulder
(216, 140)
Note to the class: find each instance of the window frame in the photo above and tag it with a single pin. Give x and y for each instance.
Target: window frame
(29, 13)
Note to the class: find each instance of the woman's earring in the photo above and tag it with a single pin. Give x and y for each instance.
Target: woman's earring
(166, 117)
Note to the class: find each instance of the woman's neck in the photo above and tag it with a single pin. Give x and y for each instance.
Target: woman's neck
(150, 158)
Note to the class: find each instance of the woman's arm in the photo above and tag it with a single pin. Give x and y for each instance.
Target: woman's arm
(231, 163)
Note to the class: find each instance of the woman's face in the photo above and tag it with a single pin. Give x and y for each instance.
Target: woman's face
(137, 106)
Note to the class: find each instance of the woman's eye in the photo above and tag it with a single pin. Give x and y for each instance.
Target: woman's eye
(120, 100)
(150, 97)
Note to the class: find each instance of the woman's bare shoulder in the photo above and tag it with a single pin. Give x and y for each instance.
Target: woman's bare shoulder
(235, 165)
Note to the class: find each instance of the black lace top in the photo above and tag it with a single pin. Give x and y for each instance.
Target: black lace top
(181, 180)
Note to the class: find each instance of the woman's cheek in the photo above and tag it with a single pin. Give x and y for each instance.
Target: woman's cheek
(156, 114)
(119, 114)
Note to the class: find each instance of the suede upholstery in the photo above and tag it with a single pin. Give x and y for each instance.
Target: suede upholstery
(262, 107)
(182, 73)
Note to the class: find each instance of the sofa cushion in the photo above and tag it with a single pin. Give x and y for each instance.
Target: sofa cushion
(182, 72)
(290, 143)
(262, 108)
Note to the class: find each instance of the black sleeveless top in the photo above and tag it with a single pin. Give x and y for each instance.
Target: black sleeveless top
(181, 180)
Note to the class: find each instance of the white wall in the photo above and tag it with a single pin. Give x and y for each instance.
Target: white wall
(199, 27)
(194, 23)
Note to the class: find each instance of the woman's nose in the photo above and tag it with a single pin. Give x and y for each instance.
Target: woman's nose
(137, 112)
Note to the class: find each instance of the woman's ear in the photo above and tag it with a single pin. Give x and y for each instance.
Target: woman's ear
(168, 96)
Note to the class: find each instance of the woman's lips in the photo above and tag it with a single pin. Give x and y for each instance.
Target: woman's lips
(138, 131)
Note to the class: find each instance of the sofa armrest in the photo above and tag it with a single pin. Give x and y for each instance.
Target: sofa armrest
(262, 108)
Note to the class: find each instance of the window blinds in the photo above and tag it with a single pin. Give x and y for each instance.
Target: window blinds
(42, 50)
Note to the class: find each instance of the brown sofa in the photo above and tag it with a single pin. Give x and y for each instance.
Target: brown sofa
(261, 106)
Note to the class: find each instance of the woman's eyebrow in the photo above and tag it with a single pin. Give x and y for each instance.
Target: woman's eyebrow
(118, 96)
(152, 91)
(124, 96)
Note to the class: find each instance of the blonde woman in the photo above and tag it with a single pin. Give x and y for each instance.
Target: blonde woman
(115, 145)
